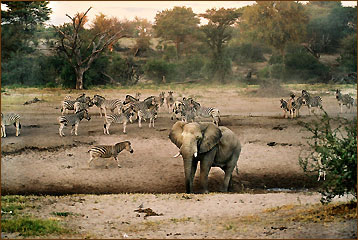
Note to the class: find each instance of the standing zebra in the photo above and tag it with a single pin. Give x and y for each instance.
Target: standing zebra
(73, 120)
(78, 106)
(123, 117)
(298, 105)
(104, 104)
(70, 104)
(169, 101)
(345, 99)
(207, 112)
(9, 119)
(284, 106)
(108, 151)
(310, 101)
(150, 114)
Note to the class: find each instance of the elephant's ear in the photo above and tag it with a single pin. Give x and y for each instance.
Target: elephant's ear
(175, 134)
(211, 137)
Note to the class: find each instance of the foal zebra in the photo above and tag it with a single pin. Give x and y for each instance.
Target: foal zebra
(9, 119)
(123, 117)
(104, 104)
(108, 151)
(73, 120)
(310, 101)
(345, 99)
(150, 114)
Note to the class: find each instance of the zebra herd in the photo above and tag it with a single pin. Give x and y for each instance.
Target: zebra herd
(293, 105)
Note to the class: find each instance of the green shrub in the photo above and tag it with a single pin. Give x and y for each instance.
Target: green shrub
(348, 58)
(191, 67)
(157, 68)
(247, 52)
(336, 148)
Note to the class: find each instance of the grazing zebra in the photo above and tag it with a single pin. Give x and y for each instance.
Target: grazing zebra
(207, 112)
(310, 101)
(150, 114)
(9, 119)
(169, 101)
(345, 99)
(70, 104)
(104, 104)
(123, 117)
(73, 120)
(108, 151)
(78, 106)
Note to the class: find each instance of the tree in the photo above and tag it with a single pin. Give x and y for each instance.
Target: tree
(72, 44)
(218, 32)
(143, 35)
(19, 22)
(176, 25)
(277, 23)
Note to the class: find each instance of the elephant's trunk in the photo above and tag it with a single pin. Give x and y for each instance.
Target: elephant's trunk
(188, 152)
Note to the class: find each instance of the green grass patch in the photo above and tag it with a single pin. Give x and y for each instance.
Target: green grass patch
(28, 226)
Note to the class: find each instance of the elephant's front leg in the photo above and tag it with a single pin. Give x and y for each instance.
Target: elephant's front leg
(205, 165)
(193, 169)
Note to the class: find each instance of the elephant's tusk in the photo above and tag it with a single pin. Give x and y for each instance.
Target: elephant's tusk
(195, 154)
(176, 155)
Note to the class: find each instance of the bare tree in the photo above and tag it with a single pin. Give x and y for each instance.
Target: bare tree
(70, 44)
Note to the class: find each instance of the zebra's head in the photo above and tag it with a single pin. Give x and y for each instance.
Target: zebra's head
(338, 94)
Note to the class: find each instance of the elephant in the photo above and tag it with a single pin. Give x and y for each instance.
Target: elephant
(213, 146)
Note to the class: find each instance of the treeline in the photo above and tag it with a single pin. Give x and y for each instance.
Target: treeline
(289, 36)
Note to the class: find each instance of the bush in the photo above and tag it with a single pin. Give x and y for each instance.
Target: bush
(348, 58)
(157, 68)
(191, 67)
(336, 148)
(247, 52)
(299, 62)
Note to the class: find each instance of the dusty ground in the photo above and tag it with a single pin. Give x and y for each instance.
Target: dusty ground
(41, 162)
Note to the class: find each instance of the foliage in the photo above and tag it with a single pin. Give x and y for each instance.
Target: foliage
(218, 32)
(19, 22)
(301, 63)
(276, 22)
(176, 25)
(124, 71)
(336, 148)
(348, 58)
(157, 68)
(328, 24)
(28, 226)
(247, 52)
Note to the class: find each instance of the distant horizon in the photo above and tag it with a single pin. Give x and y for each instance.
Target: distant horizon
(142, 9)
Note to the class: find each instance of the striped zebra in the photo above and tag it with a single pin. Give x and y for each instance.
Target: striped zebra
(180, 107)
(123, 117)
(78, 106)
(288, 107)
(345, 99)
(188, 115)
(73, 120)
(298, 105)
(169, 100)
(137, 95)
(108, 151)
(151, 114)
(104, 104)
(70, 104)
(310, 101)
(9, 119)
(207, 112)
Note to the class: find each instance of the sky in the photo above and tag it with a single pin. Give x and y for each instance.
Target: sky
(131, 9)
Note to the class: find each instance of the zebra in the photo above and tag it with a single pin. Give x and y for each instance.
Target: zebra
(73, 120)
(345, 99)
(169, 100)
(151, 114)
(137, 95)
(108, 151)
(181, 106)
(207, 112)
(123, 117)
(310, 101)
(8, 119)
(284, 106)
(104, 104)
(70, 104)
(78, 106)
(160, 99)
(298, 104)
(188, 115)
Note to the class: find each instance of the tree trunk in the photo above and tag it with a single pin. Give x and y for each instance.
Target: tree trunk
(79, 78)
